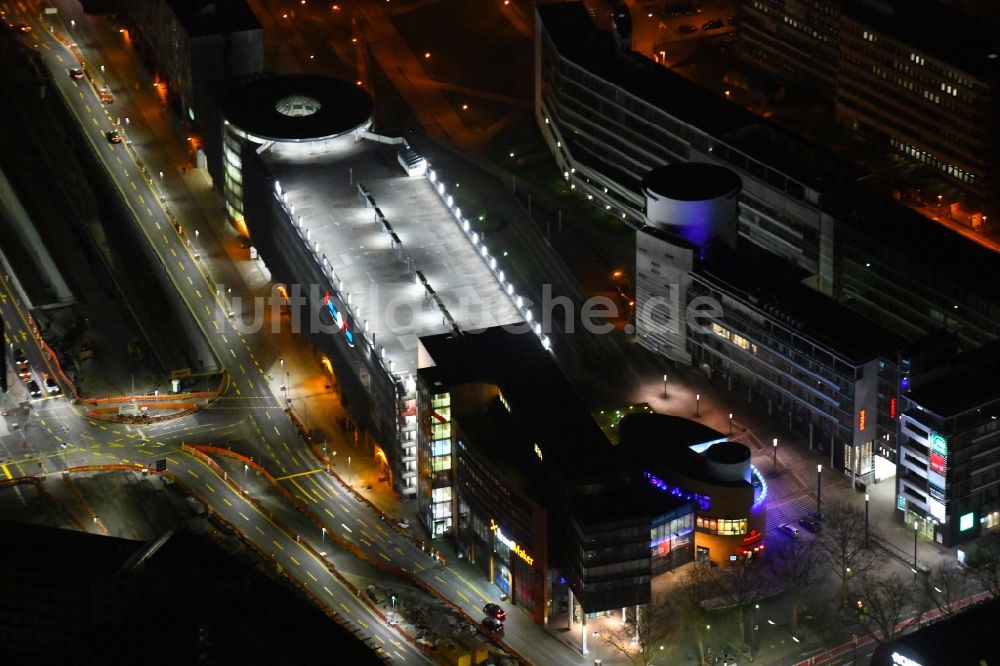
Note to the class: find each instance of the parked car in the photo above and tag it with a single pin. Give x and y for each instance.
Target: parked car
(75, 72)
(714, 24)
(33, 389)
(790, 530)
(810, 524)
(106, 96)
(687, 29)
(494, 611)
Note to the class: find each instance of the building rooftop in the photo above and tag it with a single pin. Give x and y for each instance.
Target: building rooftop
(298, 107)
(652, 441)
(214, 17)
(577, 39)
(922, 240)
(691, 181)
(972, 381)
(379, 276)
(774, 287)
(545, 408)
(967, 638)
(966, 43)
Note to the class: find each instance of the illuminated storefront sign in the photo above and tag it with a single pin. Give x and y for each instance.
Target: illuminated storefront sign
(337, 319)
(966, 522)
(861, 420)
(510, 543)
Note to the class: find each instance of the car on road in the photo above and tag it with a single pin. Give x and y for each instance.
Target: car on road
(20, 360)
(106, 96)
(714, 24)
(75, 72)
(494, 611)
(113, 136)
(51, 387)
(687, 29)
(810, 524)
(33, 389)
(493, 625)
(24, 27)
(790, 530)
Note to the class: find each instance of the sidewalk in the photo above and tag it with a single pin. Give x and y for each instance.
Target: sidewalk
(792, 485)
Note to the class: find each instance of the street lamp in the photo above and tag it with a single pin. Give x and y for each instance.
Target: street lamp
(916, 529)
(697, 404)
(664, 385)
(323, 533)
(774, 446)
(866, 519)
(730, 423)
(819, 490)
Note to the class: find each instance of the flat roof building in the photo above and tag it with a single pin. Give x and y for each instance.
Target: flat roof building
(514, 468)
(365, 244)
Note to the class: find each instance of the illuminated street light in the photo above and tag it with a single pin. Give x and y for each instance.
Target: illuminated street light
(916, 529)
(730, 424)
(664, 385)
(819, 489)
(697, 404)
(866, 519)
(774, 445)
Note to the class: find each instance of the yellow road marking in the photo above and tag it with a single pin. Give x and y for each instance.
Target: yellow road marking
(245, 516)
(329, 513)
(193, 473)
(228, 503)
(210, 487)
(292, 558)
(363, 623)
(328, 590)
(291, 476)
(309, 573)
(467, 600)
(280, 547)
(346, 609)
(6, 472)
(384, 556)
(302, 490)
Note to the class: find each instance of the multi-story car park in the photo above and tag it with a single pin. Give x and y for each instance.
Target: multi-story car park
(366, 247)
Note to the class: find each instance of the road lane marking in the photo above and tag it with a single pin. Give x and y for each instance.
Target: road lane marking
(347, 528)
(384, 556)
(345, 608)
(228, 503)
(292, 476)
(309, 573)
(245, 516)
(441, 579)
(193, 473)
(467, 599)
(303, 490)
(280, 547)
(329, 513)
(328, 590)
(6, 472)
(363, 623)
(292, 558)
(365, 541)
(230, 349)
(381, 640)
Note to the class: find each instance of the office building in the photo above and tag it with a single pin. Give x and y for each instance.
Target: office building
(948, 483)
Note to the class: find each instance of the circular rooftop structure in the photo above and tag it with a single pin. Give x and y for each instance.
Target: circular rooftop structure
(298, 108)
(691, 181)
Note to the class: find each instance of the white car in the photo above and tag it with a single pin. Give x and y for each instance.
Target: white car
(790, 530)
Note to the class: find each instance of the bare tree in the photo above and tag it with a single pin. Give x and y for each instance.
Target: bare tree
(843, 543)
(740, 584)
(640, 639)
(796, 563)
(946, 586)
(693, 591)
(886, 602)
(984, 563)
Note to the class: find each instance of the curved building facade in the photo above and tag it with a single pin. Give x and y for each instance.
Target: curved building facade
(290, 116)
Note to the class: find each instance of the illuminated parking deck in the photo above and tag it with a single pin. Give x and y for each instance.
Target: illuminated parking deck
(379, 274)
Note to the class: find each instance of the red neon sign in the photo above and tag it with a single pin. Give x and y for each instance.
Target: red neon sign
(861, 420)
(892, 407)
